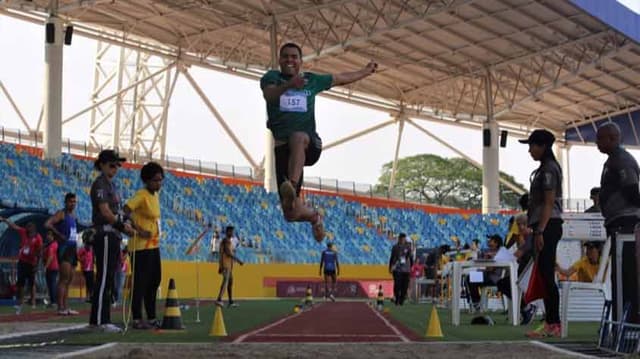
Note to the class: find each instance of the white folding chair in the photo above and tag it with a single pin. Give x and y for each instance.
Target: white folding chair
(598, 286)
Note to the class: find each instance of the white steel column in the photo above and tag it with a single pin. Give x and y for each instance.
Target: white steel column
(562, 155)
(53, 89)
(269, 169)
(490, 157)
(394, 168)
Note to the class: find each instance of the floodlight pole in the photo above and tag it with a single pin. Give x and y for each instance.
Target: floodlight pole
(269, 168)
(53, 84)
(490, 155)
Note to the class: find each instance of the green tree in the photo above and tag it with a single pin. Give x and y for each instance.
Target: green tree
(442, 181)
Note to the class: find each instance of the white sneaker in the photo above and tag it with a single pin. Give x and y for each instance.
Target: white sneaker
(72, 312)
(110, 328)
(219, 303)
(18, 309)
(333, 299)
(234, 305)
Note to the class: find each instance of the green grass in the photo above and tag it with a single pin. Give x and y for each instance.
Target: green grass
(251, 314)
(416, 318)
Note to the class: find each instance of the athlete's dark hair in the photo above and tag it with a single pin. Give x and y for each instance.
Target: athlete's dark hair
(291, 45)
(69, 196)
(149, 171)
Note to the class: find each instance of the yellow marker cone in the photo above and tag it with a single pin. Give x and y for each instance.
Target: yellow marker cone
(217, 326)
(433, 329)
(172, 319)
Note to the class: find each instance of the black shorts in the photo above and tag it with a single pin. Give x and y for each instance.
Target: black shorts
(67, 252)
(330, 273)
(26, 274)
(311, 156)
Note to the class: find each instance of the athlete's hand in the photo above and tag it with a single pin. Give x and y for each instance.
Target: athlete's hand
(128, 229)
(371, 67)
(296, 82)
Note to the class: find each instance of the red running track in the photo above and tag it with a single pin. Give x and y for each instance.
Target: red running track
(332, 322)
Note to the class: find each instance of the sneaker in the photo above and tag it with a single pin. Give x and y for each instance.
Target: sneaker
(219, 303)
(333, 299)
(63, 312)
(288, 195)
(155, 323)
(545, 331)
(18, 309)
(528, 314)
(475, 308)
(72, 312)
(233, 305)
(141, 324)
(318, 228)
(110, 328)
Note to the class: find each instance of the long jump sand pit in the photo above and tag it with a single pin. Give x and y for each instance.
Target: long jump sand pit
(333, 350)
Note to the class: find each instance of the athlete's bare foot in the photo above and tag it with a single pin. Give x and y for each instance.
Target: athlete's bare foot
(317, 226)
(288, 193)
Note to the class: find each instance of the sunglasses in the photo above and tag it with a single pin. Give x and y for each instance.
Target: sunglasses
(115, 165)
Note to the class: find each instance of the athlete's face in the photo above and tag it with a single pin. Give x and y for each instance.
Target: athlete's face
(155, 182)
(536, 151)
(70, 204)
(290, 61)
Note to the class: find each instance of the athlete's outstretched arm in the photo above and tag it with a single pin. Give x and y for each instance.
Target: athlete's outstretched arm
(346, 78)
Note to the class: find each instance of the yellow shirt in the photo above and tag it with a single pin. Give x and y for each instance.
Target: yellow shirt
(145, 208)
(585, 270)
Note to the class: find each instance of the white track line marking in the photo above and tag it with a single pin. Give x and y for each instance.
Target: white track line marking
(329, 335)
(559, 350)
(84, 352)
(44, 331)
(241, 338)
(390, 326)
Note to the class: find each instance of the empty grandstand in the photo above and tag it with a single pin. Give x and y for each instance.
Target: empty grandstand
(363, 233)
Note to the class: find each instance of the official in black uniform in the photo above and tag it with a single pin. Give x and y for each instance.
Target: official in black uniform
(109, 224)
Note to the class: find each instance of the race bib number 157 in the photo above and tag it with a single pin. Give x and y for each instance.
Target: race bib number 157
(293, 101)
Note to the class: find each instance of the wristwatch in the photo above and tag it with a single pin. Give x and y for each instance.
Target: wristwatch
(537, 231)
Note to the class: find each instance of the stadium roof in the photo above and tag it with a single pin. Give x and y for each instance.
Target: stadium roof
(554, 64)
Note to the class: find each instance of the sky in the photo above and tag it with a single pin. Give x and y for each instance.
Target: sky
(194, 133)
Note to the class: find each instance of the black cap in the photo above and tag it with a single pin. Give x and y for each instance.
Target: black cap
(107, 156)
(540, 137)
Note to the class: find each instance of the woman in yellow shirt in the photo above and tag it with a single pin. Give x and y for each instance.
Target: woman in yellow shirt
(144, 209)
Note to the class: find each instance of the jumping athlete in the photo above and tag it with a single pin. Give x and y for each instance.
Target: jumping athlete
(290, 97)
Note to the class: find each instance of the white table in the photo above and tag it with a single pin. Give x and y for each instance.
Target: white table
(457, 287)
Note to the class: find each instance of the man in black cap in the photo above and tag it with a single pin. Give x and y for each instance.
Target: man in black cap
(109, 224)
(595, 197)
(620, 205)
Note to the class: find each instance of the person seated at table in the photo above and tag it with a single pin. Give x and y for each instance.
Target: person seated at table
(523, 241)
(490, 277)
(586, 268)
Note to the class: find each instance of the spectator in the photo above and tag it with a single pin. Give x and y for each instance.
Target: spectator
(329, 262)
(215, 243)
(489, 277)
(51, 267)
(587, 267)
(513, 226)
(225, 267)
(28, 258)
(64, 226)
(545, 218)
(417, 271)
(85, 257)
(400, 264)
(595, 197)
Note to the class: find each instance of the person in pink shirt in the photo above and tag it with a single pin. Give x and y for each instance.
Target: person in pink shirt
(28, 257)
(417, 271)
(85, 256)
(51, 267)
